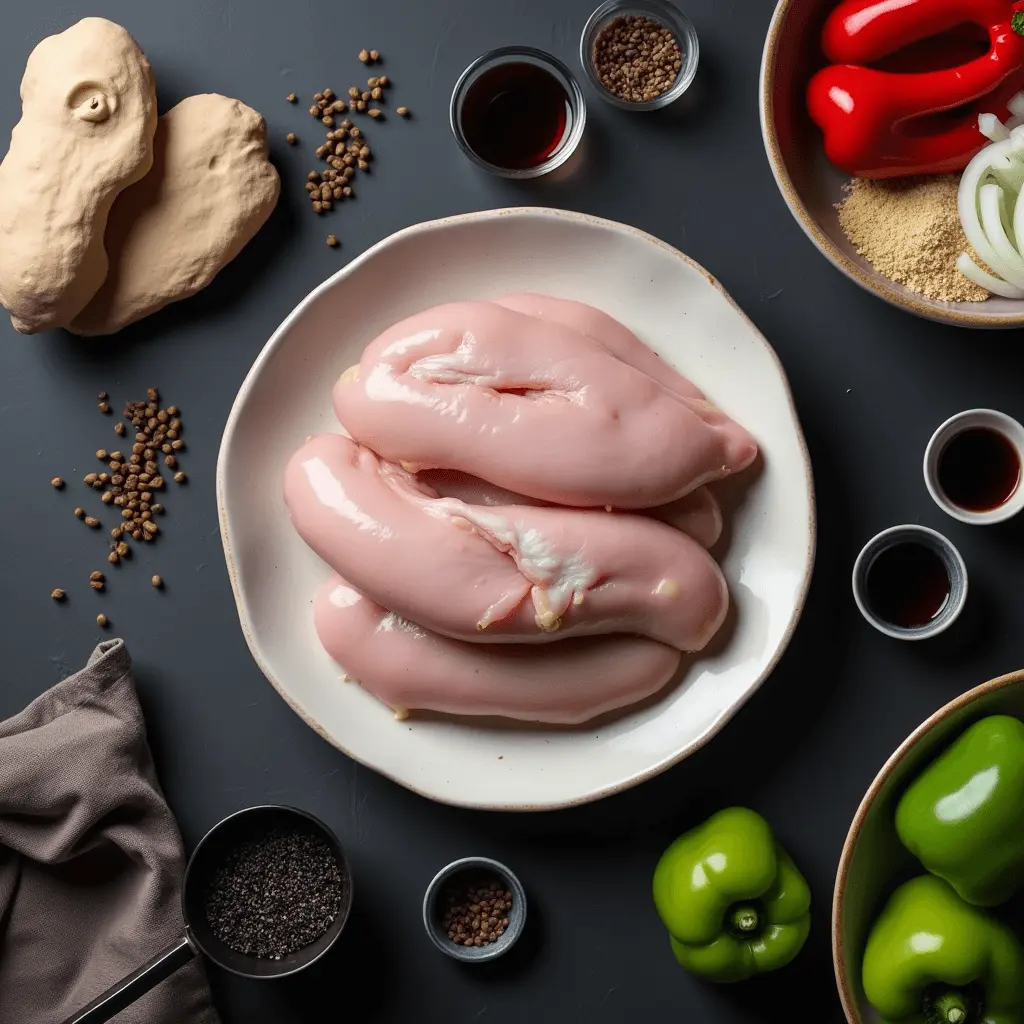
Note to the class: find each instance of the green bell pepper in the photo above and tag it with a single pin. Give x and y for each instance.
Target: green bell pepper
(733, 902)
(963, 817)
(931, 958)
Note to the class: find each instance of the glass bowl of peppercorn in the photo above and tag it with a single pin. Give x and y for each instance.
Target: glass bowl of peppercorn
(639, 54)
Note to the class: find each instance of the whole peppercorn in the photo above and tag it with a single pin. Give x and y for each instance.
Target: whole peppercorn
(292, 98)
(291, 138)
(80, 512)
(402, 111)
(157, 582)
(57, 482)
(314, 111)
(332, 241)
(102, 621)
(113, 558)
(364, 56)
(374, 55)
(57, 594)
(375, 113)
(92, 522)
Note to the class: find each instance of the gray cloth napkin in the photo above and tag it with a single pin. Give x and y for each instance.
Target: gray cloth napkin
(91, 859)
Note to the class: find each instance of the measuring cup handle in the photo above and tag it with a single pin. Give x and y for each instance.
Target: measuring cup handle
(136, 985)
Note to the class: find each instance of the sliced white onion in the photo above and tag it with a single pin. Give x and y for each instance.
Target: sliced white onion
(992, 128)
(974, 273)
(991, 202)
(967, 204)
(1015, 105)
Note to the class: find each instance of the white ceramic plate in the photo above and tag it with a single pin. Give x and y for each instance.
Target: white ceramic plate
(682, 312)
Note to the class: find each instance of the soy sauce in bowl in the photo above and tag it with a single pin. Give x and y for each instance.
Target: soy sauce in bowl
(908, 585)
(518, 112)
(979, 469)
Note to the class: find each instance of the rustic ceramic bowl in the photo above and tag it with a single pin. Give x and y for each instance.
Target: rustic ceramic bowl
(874, 862)
(811, 186)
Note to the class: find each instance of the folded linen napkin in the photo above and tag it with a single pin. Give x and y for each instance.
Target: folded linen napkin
(91, 859)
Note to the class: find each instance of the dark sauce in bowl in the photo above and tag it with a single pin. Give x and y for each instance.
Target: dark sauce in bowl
(515, 115)
(979, 469)
(908, 585)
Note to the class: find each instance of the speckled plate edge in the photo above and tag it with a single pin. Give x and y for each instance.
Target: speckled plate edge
(427, 226)
(846, 994)
(901, 299)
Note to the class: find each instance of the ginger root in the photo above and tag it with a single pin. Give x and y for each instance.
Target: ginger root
(210, 190)
(88, 117)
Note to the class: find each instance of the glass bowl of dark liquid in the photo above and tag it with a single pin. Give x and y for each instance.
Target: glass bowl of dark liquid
(518, 112)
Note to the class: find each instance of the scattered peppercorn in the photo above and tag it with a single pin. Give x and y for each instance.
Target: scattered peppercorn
(291, 138)
(180, 478)
(637, 58)
(375, 113)
(402, 111)
(292, 98)
(92, 522)
(374, 55)
(57, 482)
(476, 914)
(80, 512)
(364, 56)
(157, 582)
(119, 429)
(113, 558)
(383, 81)
(332, 241)
(104, 407)
(102, 621)
(57, 594)
(275, 895)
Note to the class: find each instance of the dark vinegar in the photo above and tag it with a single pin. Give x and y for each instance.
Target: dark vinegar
(979, 470)
(908, 585)
(515, 115)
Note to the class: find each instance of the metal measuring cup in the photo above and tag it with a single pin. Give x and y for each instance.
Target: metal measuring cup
(197, 936)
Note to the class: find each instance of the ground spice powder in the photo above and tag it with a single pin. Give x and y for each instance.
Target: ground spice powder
(909, 230)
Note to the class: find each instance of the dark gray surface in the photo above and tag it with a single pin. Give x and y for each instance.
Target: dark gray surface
(871, 383)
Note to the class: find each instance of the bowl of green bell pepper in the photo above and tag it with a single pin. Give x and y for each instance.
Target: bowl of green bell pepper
(928, 908)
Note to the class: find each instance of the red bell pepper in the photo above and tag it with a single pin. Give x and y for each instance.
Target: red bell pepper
(879, 123)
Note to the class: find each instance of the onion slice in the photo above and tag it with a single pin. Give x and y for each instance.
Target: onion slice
(983, 279)
(991, 202)
(967, 204)
(992, 128)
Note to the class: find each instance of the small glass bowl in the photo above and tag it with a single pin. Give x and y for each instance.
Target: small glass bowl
(665, 14)
(576, 119)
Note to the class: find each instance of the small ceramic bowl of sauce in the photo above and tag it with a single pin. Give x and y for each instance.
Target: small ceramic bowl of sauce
(910, 582)
(518, 112)
(972, 467)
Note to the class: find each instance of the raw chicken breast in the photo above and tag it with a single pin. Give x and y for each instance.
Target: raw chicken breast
(409, 668)
(535, 407)
(502, 573)
(698, 514)
(611, 335)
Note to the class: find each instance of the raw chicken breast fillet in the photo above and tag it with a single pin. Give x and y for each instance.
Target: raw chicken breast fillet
(500, 573)
(408, 667)
(536, 407)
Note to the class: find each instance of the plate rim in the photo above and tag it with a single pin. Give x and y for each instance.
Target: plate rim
(276, 339)
(773, 150)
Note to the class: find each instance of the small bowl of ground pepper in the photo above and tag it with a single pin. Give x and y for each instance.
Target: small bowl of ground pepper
(639, 54)
(474, 909)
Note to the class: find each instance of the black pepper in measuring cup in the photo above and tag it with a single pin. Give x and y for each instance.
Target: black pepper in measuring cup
(275, 895)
